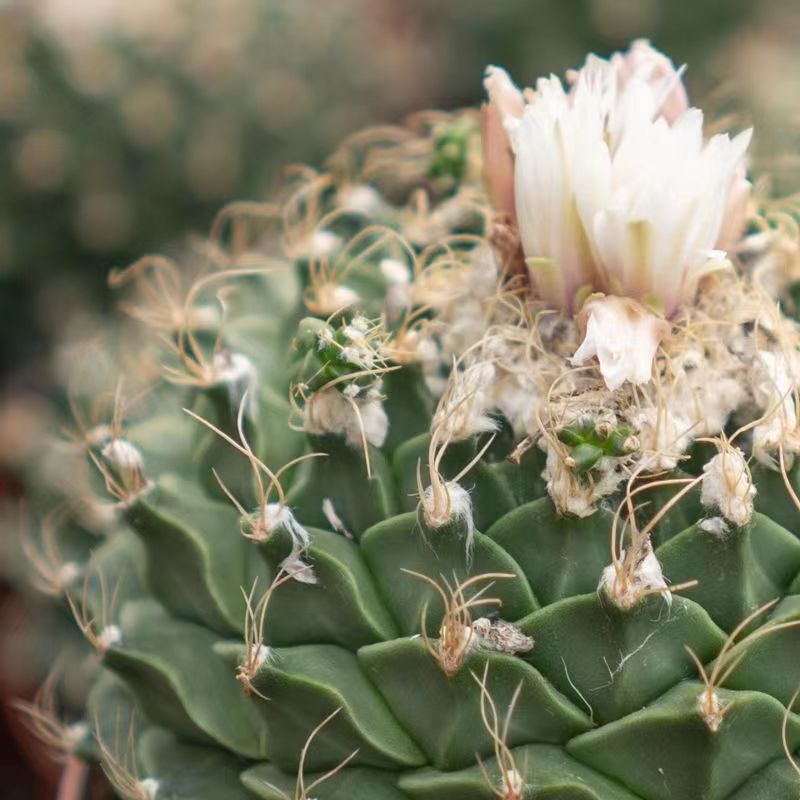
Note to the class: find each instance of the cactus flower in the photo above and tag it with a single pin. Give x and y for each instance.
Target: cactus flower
(616, 188)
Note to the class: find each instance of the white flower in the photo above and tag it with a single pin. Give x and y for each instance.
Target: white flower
(616, 189)
(623, 336)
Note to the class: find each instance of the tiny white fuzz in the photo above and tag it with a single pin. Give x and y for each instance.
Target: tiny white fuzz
(361, 199)
(323, 244)
(149, 788)
(626, 587)
(237, 373)
(334, 520)
(501, 636)
(570, 494)
(451, 503)
(512, 783)
(329, 411)
(108, 636)
(711, 709)
(75, 733)
(716, 526)
(398, 286)
(294, 565)
(260, 654)
(67, 574)
(774, 384)
(463, 410)
(123, 456)
(728, 486)
(275, 516)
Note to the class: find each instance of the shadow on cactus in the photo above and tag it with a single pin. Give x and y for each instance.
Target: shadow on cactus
(476, 493)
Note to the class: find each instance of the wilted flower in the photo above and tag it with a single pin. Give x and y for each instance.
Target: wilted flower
(623, 336)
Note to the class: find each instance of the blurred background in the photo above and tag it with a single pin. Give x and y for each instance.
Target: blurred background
(126, 125)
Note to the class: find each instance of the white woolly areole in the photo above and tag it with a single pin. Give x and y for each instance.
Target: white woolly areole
(645, 576)
(276, 516)
(238, 374)
(149, 788)
(716, 526)
(334, 520)
(572, 496)
(398, 286)
(109, 636)
(624, 338)
(75, 733)
(463, 410)
(323, 244)
(361, 199)
(664, 435)
(123, 456)
(260, 654)
(67, 573)
(451, 503)
(298, 569)
(727, 486)
(328, 411)
(332, 297)
(511, 783)
(773, 385)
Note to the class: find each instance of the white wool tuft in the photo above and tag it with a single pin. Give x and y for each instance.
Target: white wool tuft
(323, 244)
(75, 733)
(361, 199)
(148, 787)
(645, 576)
(260, 654)
(773, 389)
(123, 456)
(109, 636)
(716, 526)
(398, 286)
(275, 516)
(572, 496)
(727, 486)
(512, 783)
(294, 565)
(463, 410)
(459, 509)
(67, 574)
(664, 436)
(237, 373)
(329, 411)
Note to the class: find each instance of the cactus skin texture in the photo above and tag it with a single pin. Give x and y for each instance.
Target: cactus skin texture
(357, 614)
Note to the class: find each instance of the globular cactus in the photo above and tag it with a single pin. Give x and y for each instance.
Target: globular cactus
(444, 494)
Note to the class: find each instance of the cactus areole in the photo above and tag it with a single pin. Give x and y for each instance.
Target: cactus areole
(464, 469)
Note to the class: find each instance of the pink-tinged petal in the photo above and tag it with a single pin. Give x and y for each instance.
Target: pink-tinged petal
(644, 61)
(505, 100)
(736, 208)
(623, 336)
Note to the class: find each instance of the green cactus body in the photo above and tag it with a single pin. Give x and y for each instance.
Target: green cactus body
(439, 599)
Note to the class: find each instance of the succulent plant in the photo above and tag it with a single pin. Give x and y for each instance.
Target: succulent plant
(423, 491)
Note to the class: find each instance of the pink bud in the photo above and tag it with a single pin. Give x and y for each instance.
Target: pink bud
(505, 100)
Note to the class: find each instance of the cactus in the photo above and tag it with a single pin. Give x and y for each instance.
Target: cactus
(435, 493)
